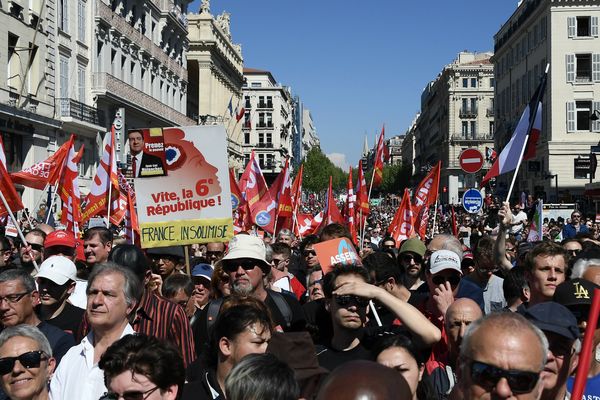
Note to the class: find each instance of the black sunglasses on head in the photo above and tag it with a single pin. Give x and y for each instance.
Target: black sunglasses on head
(487, 376)
(348, 299)
(232, 265)
(440, 280)
(31, 359)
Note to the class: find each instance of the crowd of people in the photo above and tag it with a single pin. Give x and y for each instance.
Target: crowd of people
(473, 310)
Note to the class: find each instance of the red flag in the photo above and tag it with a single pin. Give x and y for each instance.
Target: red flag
(2, 154)
(402, 227)
(297, 190)
(421, 222)
(120, 199)
(362, 198)
(10, 193)
(379, 156)
(427, 191)
(454, 227)
(239, 206)
(350, 199)
(46, 172)
(331, 212)
(307, 224)
(132, 228)
(262, 206)
(239, 114)
(68, 191)
(106, 174)
(284, 198)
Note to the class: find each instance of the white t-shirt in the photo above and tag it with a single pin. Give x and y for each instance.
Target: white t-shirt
(521, 217)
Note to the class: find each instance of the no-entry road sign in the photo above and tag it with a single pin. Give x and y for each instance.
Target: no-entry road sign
(471, 160)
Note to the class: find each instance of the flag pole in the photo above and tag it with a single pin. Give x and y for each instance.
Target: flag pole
(109, 205)
(531, 122)
(12, 216)
(586, 348)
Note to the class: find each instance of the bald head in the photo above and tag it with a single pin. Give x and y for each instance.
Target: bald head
(445, 242)
(459, 316)
(359, 380)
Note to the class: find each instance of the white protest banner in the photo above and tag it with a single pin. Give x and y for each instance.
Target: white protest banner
(192, 204)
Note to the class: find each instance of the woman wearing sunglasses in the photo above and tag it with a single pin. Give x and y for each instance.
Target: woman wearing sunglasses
(26, 363)
(140, 367)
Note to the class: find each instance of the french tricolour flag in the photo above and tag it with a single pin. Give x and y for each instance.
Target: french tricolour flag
(524, 139)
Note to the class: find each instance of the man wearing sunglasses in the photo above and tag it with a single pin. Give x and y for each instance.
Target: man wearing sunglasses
(560, 327)
(410, 258)
(347, 291)
(5, 251)
(575, 226)
(34, 250)
(502, 356)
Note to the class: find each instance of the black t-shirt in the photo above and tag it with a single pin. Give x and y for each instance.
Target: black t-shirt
(69, 319)
(331, 359)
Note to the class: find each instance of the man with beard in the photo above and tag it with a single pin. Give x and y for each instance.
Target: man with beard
(247, 267)
(410, 259)
(34, 250)
(483, 276)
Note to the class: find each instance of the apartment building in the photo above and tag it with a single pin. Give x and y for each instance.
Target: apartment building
(564, 35)
(267, 125)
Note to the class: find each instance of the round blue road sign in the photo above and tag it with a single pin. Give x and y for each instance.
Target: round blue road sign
(472, 201)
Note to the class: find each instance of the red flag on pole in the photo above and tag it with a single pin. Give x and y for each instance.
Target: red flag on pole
(106, 174)
(402, 226)
(10, 193)
(132, 228)
(307, 224)
(297, 190)
(2, 154)
(421, 222)
(379, 158)
(262, 206)
(454, 226)
(68, 191)
(362, 198)
(350, 199)
(331, 212)
(427, 191)
(45, 172)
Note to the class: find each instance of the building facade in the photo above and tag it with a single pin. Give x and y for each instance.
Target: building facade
(563, 34)
(215, 72)
(457, 113)
(394, 145)
(267, 124)
(310, 138)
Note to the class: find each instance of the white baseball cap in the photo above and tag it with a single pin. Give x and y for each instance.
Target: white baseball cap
(58, 269)
(444, 259)
(247, 246)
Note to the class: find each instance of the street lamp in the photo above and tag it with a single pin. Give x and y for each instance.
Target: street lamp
(595, 116)
(550, 175)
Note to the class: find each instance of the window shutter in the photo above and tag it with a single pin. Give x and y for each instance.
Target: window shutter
(570, 68)
(570, 116)
(571, 26)
(596, 124)
(594, 23)
(596, 67)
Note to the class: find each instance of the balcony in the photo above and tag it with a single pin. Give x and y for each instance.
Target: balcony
(267, 145)
(104, 84)
(265, 105)
(468, 112)
(265, 125)
(79, 111)
(459, 137)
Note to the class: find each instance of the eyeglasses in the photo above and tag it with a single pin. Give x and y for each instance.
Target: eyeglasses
(131, 395)
(487, 376)
(13, 298)
(276, 261)
(407, 257)
(574, 252)
(34, 246)
(233, 265)
(348, 299)
(214, 253)
(575, 216)
(308, 253)
(441, 279)
(31, 359)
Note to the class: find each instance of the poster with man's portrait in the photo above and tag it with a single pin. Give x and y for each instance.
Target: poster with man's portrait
(147, 149)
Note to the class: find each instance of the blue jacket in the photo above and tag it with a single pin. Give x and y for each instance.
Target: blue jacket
(570, 232)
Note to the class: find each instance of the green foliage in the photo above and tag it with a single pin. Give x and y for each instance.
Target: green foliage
(395, 179)
(317, 170)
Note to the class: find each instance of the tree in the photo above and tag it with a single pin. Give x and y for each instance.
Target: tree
(395, 179)
(317, 170)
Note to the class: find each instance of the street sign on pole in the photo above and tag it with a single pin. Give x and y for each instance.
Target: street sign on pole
(471, 160)
(472, 201)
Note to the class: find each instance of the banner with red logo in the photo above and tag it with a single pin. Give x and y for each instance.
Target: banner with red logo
(192, 204)
(336, 252)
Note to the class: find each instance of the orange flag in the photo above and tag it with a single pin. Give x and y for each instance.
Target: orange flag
(350, 199)
(362, 198)
(379, 158)
(402, 226)
(427, 191)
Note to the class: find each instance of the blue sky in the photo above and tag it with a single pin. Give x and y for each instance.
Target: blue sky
(359, 64)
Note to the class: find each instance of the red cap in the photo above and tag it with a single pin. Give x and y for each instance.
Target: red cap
(60, 238)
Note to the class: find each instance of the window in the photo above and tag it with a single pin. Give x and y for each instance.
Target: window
(465, 129)
(473, 108)
(492, 82)
(261, 138)
(473, 129)
(261, 120)
(246, 158)
(269, 120)
(256, 84)
(63, 15)
(270, 161)
(582, 26)
(64, 85)
(261, 160)
(33, 78)
(247, 119)
(473, 82)
(465, 106)
(583, 67)
(246, 137)
(578, 116)
(269, 137)
(247, 104)
(13, 61)
(492, 129)
(81, 82)
(465, 82)
(142, 78)
(81, 20)
(261, 102)
(269, 101)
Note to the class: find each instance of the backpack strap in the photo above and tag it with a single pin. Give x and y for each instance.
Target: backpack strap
(283, 307)
(213, 312)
